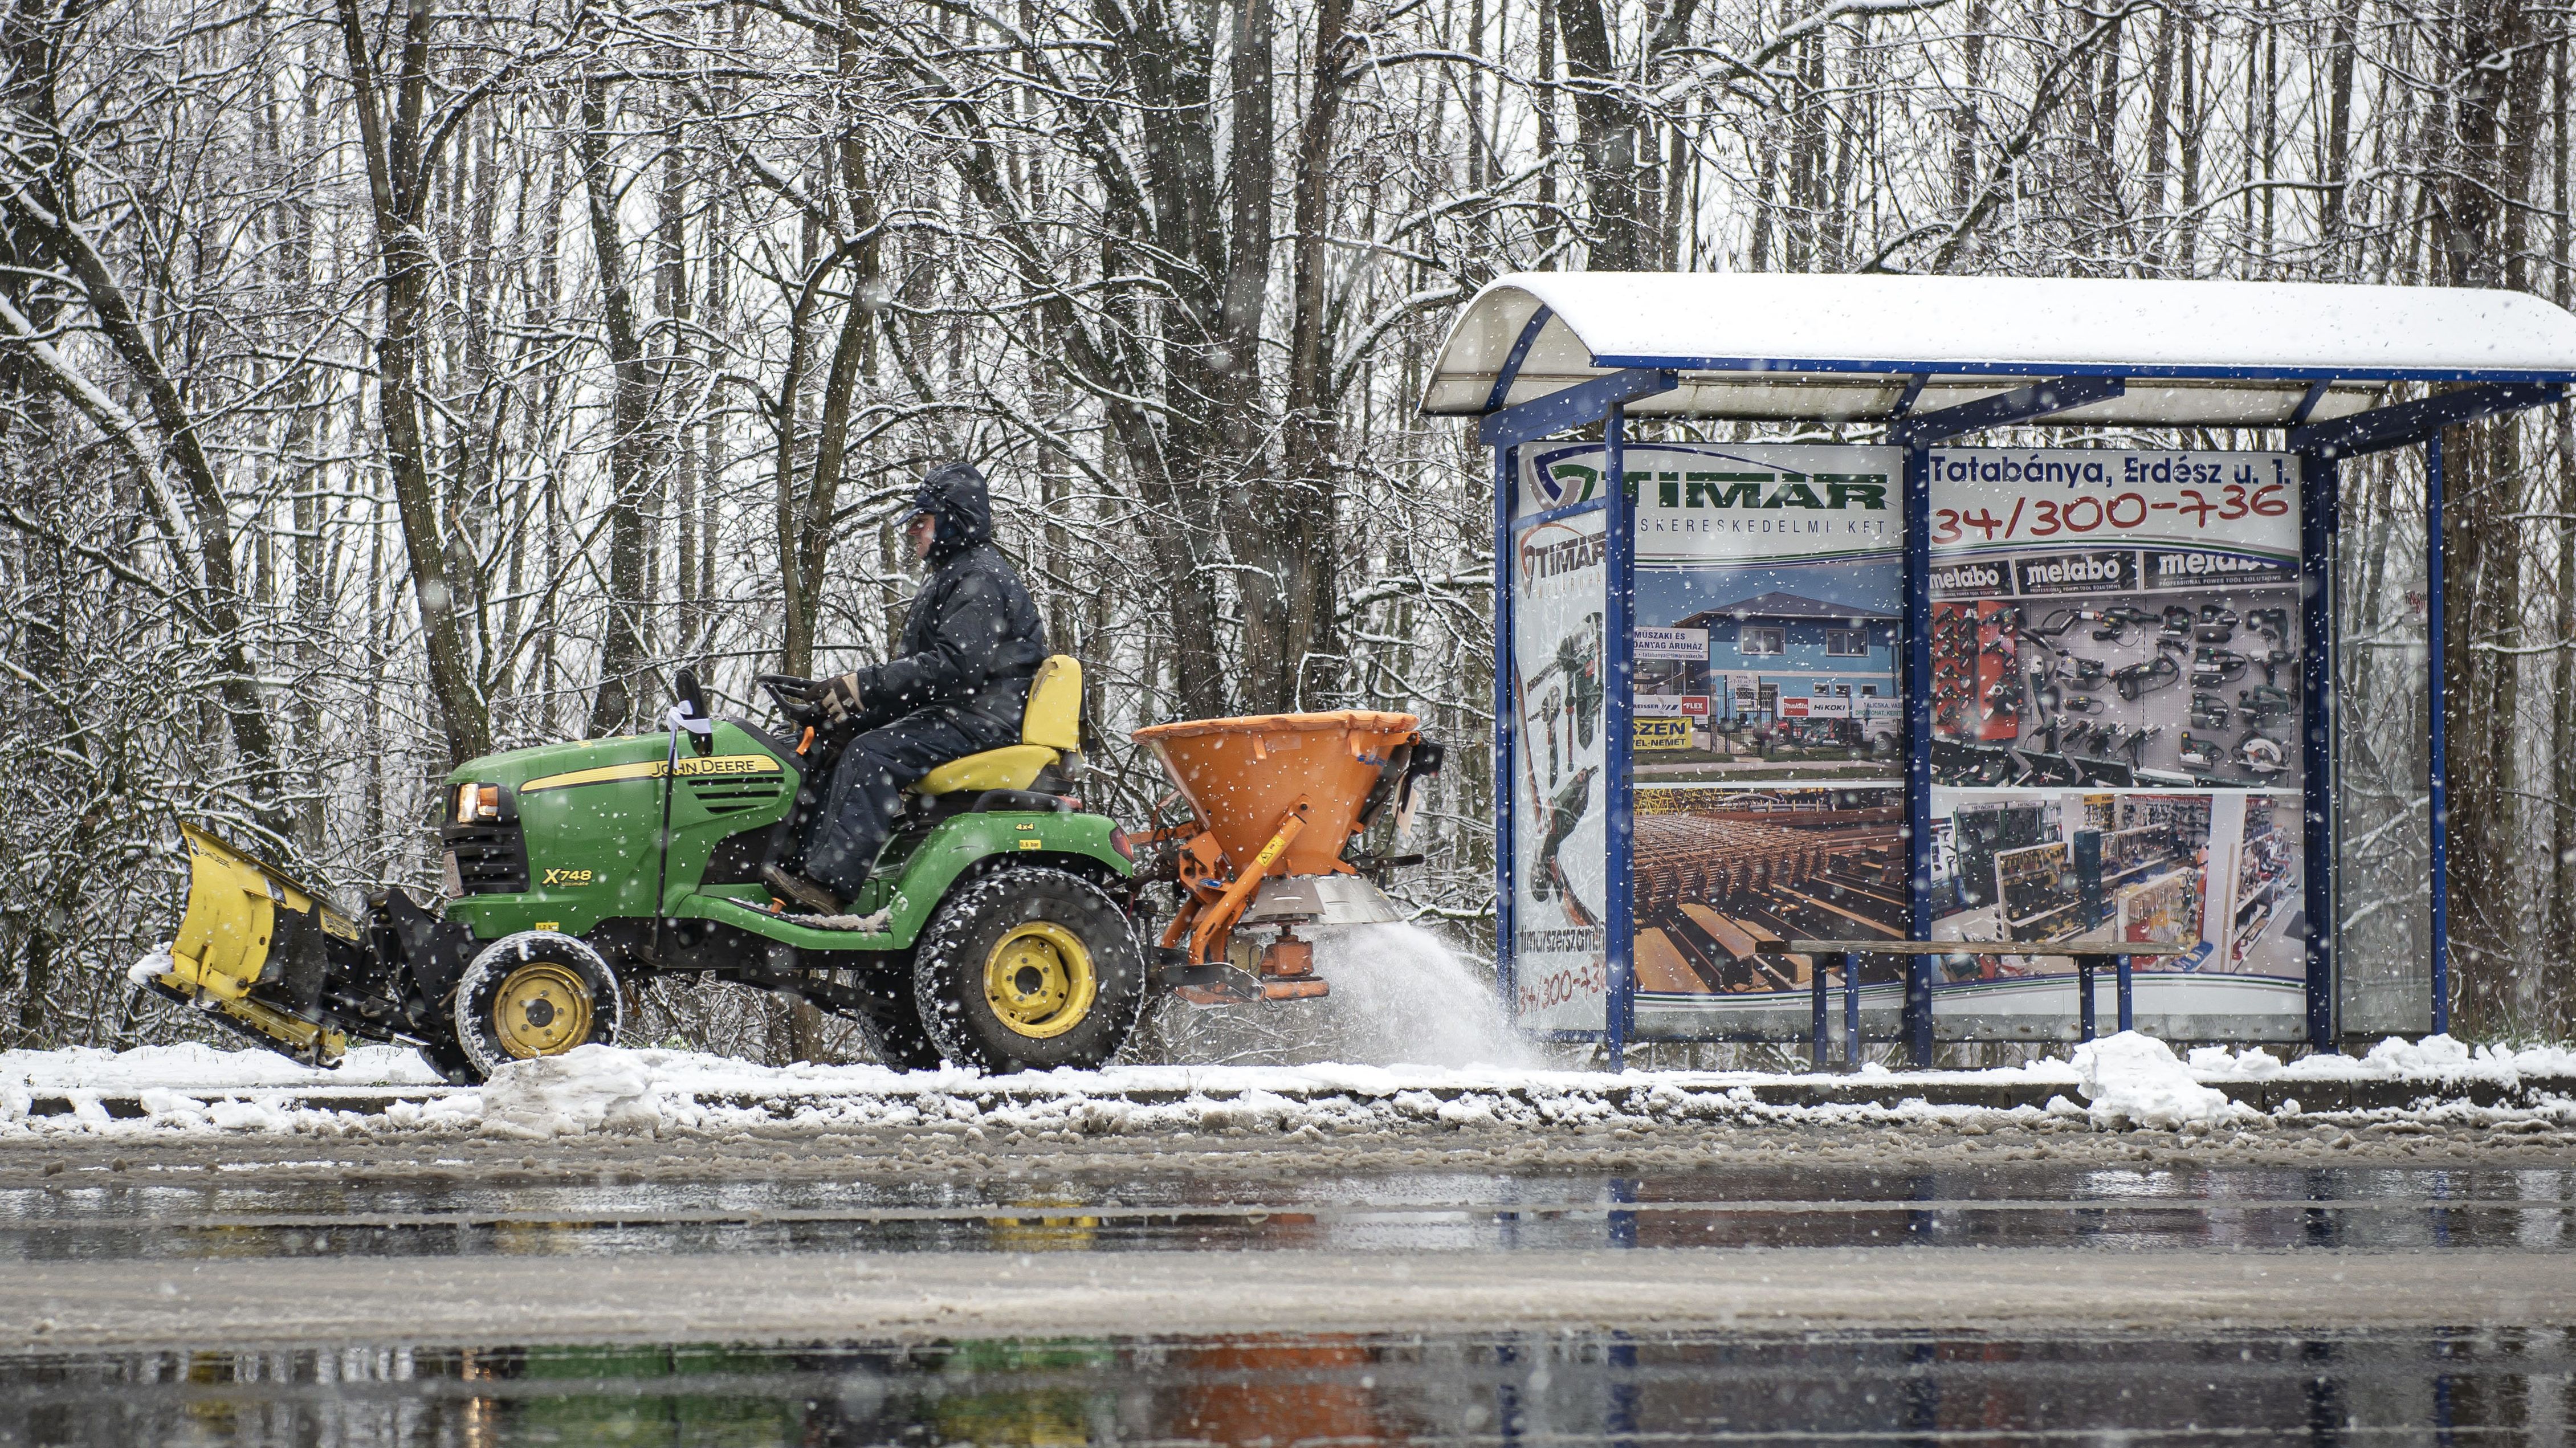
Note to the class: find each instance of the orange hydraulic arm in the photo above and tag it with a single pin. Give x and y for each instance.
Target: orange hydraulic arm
(1216, 922)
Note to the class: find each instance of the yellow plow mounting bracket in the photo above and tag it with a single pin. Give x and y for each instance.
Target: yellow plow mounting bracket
(225, 938)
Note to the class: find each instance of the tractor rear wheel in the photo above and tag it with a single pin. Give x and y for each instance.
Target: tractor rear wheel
(1029, 967)
(536, 993)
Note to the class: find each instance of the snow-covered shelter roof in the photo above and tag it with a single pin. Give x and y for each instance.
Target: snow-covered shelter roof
(1798, 347)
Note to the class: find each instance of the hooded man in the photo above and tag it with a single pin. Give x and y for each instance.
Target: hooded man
(957, 685)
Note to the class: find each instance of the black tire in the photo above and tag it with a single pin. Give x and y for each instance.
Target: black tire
(890, 1024)
(449, 1060)
(1036, 1015)
(564, 992)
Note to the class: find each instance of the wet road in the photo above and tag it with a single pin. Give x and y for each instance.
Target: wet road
(506, 1298)
(123, 1216)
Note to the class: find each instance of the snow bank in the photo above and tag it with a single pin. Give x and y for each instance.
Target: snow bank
(2124, 1081)
(195, 1066)
(2135, 1080)
(588, 1088)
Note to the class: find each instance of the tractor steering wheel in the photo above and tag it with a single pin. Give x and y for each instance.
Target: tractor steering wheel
(794, 697)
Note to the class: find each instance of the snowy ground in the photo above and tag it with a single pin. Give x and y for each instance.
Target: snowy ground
(1396, 998)
(2122, 1082)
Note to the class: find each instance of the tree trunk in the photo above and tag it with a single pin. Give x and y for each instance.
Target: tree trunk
(2160, 79)
(1265, 532)
(1316, 676)
(677, 304)
(1964, 124)
(2558, 935)
(398, 169)
(623, 651)
(1606, 129)
(2187, 236)
(2336, 171)
(1543, 98)
(2487, 176)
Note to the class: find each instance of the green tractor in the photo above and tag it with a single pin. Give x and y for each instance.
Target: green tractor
(997, 930)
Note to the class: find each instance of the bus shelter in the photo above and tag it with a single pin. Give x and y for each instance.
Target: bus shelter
(1755, 683)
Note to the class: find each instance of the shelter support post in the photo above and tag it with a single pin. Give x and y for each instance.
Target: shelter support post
(1851, 1013)
(1918, 747)
(1506, 761)
(1820, 1031)
(2437, 768)
(1916, 434)
(2320, 519)
(1619, 733)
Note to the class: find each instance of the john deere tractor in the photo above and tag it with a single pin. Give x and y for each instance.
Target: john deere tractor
(996, 931)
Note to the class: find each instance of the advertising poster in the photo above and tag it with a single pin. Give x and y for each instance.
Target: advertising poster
(1560, 803)
(1718, 867)
(2115, 719)
(1770, 586)
(1769, 716)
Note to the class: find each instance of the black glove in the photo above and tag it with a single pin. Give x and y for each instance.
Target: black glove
(839, 697)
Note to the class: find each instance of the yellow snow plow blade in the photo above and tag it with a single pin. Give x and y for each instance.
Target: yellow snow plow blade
(230, 940)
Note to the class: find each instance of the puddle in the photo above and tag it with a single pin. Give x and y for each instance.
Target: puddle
(2438, 1387)
(2022, 1205)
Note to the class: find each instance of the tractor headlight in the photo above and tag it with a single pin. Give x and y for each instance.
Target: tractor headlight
(476, 803)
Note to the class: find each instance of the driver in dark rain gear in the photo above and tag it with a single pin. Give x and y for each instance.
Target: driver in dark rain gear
(957, 685)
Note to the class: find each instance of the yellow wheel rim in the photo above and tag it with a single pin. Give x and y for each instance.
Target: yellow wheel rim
(541, 1009)
(1039, 980)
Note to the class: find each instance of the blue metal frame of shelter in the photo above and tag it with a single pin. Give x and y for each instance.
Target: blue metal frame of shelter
(2321, 448)
(1916, 434)
(1618, 729)
(2437, 765)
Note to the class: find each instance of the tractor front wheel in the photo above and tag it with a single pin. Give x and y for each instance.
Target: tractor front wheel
(1029, 967)
(535, 993)
(890, 1023)
(449, 1060)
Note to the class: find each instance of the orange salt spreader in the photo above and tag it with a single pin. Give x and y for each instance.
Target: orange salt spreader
(1277, 801)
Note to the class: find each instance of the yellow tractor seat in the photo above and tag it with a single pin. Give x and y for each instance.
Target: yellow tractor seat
(1050, 728)
(1013, 766)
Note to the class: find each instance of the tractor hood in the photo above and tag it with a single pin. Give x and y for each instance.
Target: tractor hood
(562, 836)
(626, 758)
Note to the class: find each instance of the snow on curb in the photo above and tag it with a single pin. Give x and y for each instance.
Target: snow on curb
(2127, 1081)
(196, 1067)
(2135, 1080)
(588, 1088)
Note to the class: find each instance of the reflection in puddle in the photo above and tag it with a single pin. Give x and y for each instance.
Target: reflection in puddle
(1591, 1388)
(2257, 1208)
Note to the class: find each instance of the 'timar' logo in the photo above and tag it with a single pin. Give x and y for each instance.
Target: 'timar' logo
(1565, 483)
